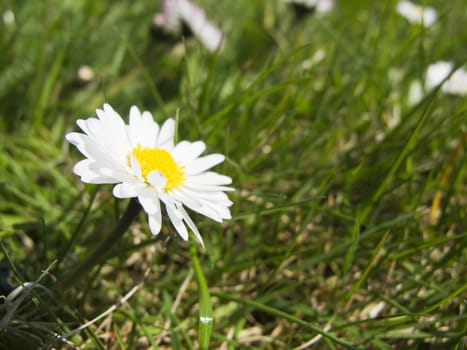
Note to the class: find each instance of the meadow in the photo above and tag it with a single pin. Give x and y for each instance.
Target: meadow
(349, 222)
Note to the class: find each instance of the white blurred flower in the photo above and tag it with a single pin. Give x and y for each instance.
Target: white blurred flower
(140, 158)
(85, 74)
(439, 71)
(320, 6)
(175, 13)
(416, 13)
(372, 310)
(9, 17)
(416, 92)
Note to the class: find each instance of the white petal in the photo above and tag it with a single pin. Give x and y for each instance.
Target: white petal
(209, 178)
(150, 203)
(207, 188)
(166, 134)
(110, 116)
(151, 130)
(90, 148)
(155, 223)
(76, 138)
(142, 128)
(182, 197)
(135, 167)
(191, 224)
(124, 190)
(185, 152)
(176, 219)
(157, 179)
(134, 124)
(118, 174)
(210, 196)
(214, 210)
(212, 204)
(134, 115)
(110, 131)
(201, 164)
(82, 124)
(84, 169)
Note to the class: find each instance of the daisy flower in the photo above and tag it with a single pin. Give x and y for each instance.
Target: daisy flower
(141, 159)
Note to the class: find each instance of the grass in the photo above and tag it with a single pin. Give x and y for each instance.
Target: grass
(349, 221)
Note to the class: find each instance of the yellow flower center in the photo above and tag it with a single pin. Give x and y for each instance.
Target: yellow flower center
(151, 159)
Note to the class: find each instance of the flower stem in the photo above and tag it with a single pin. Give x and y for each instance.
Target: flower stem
(103, 250)
(205, 305)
